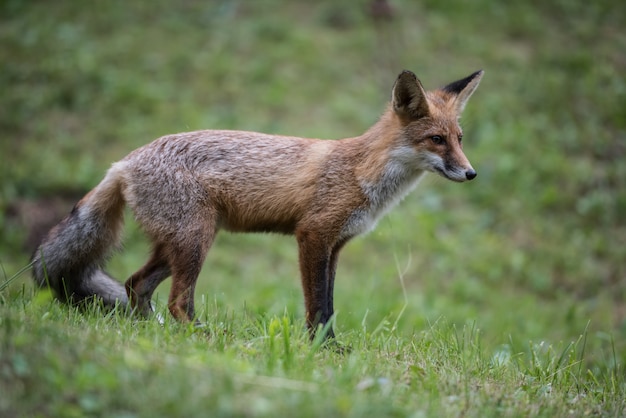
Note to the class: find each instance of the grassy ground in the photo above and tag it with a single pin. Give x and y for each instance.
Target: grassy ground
(60, 363)
(505, 296)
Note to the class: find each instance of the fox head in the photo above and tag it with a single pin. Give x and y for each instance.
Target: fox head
(430, 121)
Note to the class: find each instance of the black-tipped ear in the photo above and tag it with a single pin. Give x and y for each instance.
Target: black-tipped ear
(409, 97)
(463, 89)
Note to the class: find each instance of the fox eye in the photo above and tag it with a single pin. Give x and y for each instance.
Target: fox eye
(438, 140)
(460, 138)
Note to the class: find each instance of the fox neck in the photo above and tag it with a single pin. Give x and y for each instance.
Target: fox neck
(386, 171)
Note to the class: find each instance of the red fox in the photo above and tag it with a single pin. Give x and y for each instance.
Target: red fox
(183, 188)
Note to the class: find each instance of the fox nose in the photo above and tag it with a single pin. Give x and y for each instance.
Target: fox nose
(470, 174)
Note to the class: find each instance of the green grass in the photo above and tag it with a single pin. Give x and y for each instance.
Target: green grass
(60, 362)
(505, 296)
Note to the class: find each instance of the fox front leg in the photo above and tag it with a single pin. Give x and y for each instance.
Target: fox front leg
(315, 263)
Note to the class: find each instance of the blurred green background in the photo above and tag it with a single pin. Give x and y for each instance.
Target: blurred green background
(533, 249)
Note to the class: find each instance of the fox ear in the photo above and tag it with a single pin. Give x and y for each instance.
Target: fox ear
(409, 97)
(463, 89)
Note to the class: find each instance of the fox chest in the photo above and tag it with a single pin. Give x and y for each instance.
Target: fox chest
(380, 198)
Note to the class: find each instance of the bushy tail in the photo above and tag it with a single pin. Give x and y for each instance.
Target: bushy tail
(69, 260)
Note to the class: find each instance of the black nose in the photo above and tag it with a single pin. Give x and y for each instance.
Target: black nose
(470, 174)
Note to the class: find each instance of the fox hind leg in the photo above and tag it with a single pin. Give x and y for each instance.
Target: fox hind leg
(186, 259)
(142, 284)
